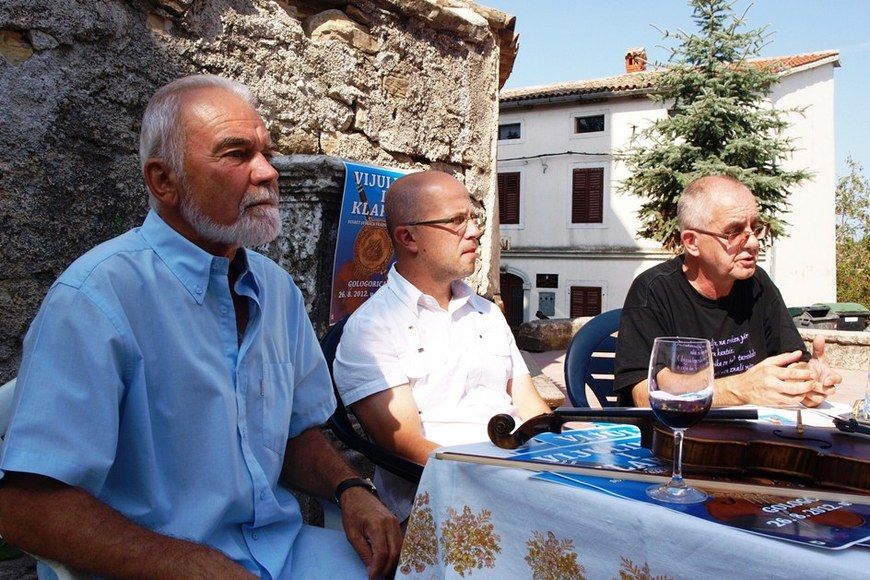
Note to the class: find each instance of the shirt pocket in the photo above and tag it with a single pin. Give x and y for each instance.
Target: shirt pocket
(276, 392)
(415, 365)
(491, 363)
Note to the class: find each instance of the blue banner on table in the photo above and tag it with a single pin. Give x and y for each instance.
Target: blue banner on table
(363, 251)
(822, 523)
(826, 524)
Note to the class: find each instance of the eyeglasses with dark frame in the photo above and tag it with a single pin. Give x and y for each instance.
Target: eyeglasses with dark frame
(457, 221)
(739, 238)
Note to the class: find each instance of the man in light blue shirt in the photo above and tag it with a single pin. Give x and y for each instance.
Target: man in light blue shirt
(171, 378)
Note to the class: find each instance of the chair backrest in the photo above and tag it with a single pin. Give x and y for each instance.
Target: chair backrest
(590, 360)
(340, 423)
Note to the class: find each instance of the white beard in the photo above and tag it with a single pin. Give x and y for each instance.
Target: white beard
(255, 226)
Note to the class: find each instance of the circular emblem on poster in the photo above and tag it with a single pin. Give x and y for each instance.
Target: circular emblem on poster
(372, 250)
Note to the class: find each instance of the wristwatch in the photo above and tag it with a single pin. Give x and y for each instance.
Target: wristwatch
(353, 482)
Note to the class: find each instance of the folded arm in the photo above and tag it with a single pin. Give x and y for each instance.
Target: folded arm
(526, 397)
(63, 523)
(391, 418)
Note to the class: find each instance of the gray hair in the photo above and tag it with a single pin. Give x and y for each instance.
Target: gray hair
(162, 133)
(693, 208)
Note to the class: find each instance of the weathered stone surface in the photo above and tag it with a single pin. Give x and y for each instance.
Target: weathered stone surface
(14, 47)
(544, 335)
(335, 25)
(42, 41)
(69, 174)
(844, 349)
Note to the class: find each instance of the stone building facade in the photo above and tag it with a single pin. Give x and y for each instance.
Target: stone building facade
(401, 83)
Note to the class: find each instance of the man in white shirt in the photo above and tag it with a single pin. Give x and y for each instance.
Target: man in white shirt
(426, 362)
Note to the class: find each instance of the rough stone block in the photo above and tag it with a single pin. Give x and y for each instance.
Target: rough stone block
(14, 47)
(553, 334)
(334, 24)
(844, 349)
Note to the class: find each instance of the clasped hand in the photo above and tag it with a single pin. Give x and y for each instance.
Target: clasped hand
(785, 380)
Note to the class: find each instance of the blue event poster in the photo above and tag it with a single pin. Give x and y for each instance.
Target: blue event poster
(603, 445)
(363, 251)
(806, 520)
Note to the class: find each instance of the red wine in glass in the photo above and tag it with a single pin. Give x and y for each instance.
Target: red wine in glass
(679, 413)
(680, 383)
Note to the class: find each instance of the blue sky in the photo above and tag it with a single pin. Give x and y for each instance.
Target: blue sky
(566, 40)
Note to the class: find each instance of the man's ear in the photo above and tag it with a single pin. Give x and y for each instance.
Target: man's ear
(403, 237)
(162, 182)
(689, 240)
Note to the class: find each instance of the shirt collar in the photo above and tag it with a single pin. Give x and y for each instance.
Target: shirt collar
(190, 264)
(413, 298)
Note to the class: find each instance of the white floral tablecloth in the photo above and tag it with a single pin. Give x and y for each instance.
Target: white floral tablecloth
(482, 521)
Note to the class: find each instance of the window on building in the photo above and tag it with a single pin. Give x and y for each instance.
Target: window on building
(509, 198)
(589, 124)
(585, 301)
(587, 196)
(509, 131)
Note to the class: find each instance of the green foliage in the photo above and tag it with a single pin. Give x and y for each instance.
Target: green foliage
(852, 201)
(718, 123)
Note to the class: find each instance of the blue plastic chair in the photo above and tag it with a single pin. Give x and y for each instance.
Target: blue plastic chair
(590, 360)
(341, 426)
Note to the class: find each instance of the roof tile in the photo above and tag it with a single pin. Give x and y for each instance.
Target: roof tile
(645, 80)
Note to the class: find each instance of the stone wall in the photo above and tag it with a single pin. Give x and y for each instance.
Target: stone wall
(844, 349)
(402, 83)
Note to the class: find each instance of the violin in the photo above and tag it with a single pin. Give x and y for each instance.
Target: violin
(722, 446)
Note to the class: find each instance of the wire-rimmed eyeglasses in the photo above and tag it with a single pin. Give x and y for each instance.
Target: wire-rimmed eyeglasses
(459, 222)
(739, 238)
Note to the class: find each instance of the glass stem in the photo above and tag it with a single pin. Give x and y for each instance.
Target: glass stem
(677, 476)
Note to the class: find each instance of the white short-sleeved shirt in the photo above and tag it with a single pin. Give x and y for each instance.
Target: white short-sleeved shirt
(457, 361)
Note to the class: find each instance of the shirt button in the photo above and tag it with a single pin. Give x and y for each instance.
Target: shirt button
(255, 536)
(198, 290)
(263, 494)
(244, 432)
(223, 309)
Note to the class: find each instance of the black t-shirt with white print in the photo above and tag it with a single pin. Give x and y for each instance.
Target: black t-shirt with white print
(745, 327)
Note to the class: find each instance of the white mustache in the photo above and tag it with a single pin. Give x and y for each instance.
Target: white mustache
(263, 194)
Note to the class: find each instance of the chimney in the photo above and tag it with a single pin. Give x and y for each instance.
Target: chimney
(635, 60)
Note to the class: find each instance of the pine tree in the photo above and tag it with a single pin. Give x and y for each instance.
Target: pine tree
(718, 123)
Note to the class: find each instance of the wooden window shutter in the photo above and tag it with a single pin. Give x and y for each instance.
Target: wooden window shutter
(509, 198)
(585, 301)
(587, 196)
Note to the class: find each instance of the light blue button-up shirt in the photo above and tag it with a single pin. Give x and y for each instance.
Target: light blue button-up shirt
(134, 387)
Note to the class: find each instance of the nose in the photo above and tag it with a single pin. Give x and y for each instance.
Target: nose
(472, 230)
(263, 171)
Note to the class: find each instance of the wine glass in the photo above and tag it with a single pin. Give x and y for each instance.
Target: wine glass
(680, 394)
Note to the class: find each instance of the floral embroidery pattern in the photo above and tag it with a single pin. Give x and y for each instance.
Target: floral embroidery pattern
(468, 541)
(420, 548)
(630, 571)
(553, 559)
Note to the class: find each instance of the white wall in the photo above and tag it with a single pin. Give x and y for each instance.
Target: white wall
(804, 263)
(545, 184)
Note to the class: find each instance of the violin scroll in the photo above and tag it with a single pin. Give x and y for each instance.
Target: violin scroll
(500, 427)
(499, 430)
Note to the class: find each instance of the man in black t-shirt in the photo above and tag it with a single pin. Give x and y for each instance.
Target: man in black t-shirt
(715, 290)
